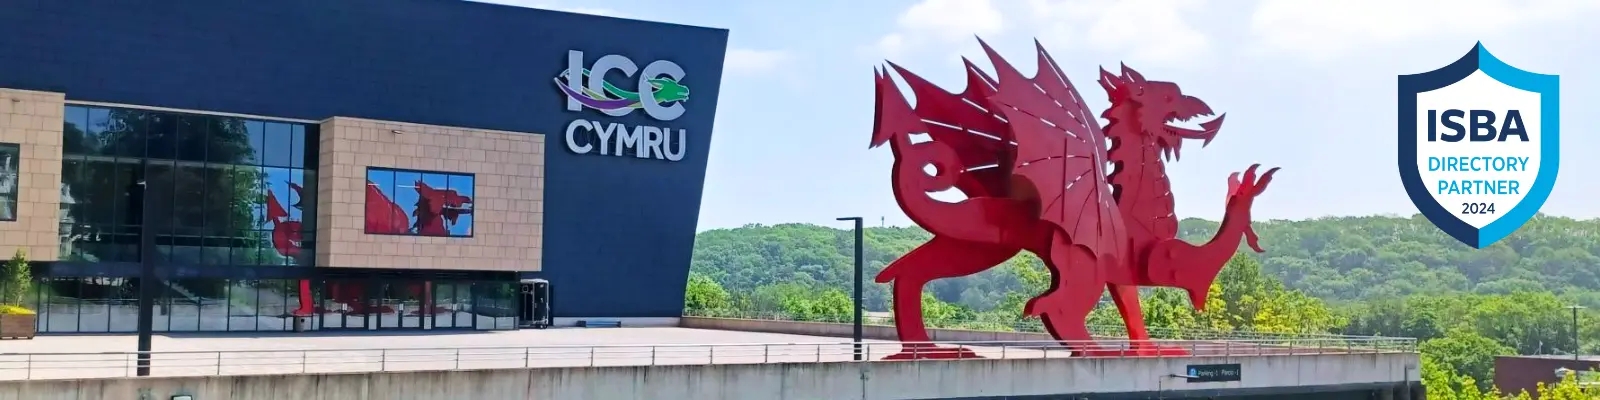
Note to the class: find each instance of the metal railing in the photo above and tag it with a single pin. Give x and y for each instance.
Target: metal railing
(1098, 331)
(15, 366)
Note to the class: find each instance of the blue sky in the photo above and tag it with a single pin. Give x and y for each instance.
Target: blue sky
(1308, 86)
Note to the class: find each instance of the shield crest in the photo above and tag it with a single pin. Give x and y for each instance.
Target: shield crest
(1479, 145)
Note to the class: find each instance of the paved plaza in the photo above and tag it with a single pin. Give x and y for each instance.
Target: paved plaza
(59, 357)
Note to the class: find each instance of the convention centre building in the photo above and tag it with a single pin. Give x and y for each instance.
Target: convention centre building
(354, 164)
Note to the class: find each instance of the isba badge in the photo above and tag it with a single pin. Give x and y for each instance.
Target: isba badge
(1479, 145)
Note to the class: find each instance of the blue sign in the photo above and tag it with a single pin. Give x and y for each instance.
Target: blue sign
(1479, 145)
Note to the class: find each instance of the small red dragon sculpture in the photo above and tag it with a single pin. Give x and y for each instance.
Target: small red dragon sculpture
(1039, 174)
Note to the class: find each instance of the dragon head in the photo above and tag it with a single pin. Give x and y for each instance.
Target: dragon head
(668, 90)
(1157, 108)
(445, 203)
(287, 237)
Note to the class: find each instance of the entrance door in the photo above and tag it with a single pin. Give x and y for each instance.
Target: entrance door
(407, 303)
(344, 304)
(452, 305)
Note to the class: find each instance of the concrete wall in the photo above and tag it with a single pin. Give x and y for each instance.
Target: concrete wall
(508, 199)
(874, 332)
(33, 120)
(881, 380)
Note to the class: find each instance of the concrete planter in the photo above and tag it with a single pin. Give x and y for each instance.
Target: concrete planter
(17, 326)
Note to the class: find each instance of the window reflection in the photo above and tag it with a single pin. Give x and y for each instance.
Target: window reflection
(402, 202)
(105, 304)
(10, 161)
(220, 190)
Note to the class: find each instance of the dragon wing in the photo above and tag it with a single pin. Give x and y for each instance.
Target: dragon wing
(1061, 151)
(960, 121)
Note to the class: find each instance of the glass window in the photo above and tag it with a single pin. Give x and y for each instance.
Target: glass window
(74, 130)
(250, 184)
(130, 192)
(462, 225)
(99, 140)
(405, 196)
(158, 196)
(228, 141)
(297, 147)
(295, 198)
(126, 133)
(220, 190)
(313, 134)
(161, 135)
(60, 309)
(275, 150)
(10, 162)
(418, 203)
(189, 204)
(217, 208)
(256, 136)
(191, 138)
(382, 215)
(98, 297)
(95, 190)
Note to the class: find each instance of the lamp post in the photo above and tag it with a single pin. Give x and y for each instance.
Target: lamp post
(857, 307)
(1577, 347)
(147, 272)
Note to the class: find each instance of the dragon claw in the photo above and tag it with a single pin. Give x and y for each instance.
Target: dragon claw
(1252, 184)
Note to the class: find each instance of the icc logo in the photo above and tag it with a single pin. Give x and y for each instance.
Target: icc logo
(1479, 145)
(659, 90)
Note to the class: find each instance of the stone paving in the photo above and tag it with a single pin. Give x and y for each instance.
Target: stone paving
(85, 356)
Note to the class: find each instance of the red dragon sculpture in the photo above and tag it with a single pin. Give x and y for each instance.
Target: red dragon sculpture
(435, 206)
(287, 239)
(1040, 174)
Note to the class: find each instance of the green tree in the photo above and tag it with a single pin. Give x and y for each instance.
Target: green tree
(1466, 353)
(705, 295)
(17, 281)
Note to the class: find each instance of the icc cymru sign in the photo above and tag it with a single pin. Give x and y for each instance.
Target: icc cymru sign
(657, 90)
(1479, 145)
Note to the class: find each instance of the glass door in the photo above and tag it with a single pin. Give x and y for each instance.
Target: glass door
(452, 305)
(344, 305)
(409, 305)
(443, 297)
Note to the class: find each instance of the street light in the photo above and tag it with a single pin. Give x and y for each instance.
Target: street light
(1576, 346)
(858, 285)
(147, 273)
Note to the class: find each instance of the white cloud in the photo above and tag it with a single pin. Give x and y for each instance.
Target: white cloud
(1143, 30)
(939, 23)
(1322, 30)
(749, 62)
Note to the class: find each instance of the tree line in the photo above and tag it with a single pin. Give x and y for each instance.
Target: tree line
(1377, 275)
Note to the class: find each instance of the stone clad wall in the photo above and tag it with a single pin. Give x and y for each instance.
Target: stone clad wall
(508, 198)
(33, 120)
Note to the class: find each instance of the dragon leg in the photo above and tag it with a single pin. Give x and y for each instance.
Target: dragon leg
(1064, 309)
(938, 258)
(1126, 298)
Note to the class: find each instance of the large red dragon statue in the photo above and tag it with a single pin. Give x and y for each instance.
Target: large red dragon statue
(1040, 174)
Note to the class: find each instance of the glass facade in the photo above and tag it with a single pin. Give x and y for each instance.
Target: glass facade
(217, 190)
(110, 305)
(10, 161)
(229, 205)
(439, 203)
